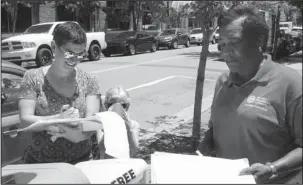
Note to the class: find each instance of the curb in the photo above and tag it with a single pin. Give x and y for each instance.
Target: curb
(185, 116)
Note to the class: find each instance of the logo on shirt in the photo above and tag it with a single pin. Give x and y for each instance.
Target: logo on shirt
(257, 102)
(251, 99)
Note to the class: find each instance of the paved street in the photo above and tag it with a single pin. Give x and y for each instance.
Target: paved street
(161, 84)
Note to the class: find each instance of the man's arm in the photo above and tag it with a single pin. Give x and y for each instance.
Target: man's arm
(290, 161)
(206, 147)
(293, 159)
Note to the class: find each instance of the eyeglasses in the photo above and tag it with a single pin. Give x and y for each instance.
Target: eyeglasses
(124, 105)
(69, 54)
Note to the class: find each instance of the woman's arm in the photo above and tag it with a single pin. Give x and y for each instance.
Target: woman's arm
(27, 100)
(27, 110)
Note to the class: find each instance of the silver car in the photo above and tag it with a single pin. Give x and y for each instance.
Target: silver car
(13, 145)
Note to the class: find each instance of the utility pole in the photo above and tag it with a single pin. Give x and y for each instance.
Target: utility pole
(167, 5)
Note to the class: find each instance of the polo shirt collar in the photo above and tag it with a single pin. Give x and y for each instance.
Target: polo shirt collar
(261, 76)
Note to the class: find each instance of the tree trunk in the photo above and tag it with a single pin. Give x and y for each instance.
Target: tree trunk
(277, 33)
(15, 12)
(199, 88)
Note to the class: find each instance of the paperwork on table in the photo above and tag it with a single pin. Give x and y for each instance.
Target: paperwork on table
(190, 169)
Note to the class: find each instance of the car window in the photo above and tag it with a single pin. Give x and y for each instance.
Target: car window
(139, 35)
(152, 28)
(44, 28)
(55, 28)
(10, 86)
(196, 31)
(168, 32)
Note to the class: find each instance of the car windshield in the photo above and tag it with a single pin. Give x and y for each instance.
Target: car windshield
(168, 32)
(196, 31)
(152, 28)
(44, 28)
(126, 34)
(296, 29)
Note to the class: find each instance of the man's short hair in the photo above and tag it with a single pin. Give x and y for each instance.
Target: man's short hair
(69, 32)
(254, 26)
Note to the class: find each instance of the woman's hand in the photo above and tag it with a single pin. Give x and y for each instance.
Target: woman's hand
(261, 172)
(69, 112)
(75, 134)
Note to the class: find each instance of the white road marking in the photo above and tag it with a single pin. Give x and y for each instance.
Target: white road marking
(150, 83)
(147, 84)
(194, 78)
(132, 65)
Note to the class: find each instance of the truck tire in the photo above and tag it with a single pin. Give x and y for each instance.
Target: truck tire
(44, 57)
(94, 52)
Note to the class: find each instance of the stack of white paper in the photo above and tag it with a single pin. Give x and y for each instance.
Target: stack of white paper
(189, 169)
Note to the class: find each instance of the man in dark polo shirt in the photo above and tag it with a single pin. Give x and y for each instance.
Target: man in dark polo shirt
(257, 107)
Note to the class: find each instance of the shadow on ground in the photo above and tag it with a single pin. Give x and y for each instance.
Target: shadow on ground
(214, 55)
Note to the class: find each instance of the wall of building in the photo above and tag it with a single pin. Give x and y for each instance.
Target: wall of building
(47, 12)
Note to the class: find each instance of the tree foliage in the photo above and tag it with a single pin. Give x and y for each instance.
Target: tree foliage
(11, 7)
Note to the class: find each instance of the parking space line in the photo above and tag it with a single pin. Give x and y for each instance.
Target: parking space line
(150, 83)
(194, 78)
(133, 65)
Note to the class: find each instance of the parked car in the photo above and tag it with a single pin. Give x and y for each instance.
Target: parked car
(129, 43)
(171, 38)
(216, 35)
(286, 45)
(296, 31)
(151, 29)
(196, 37)
(35, 45)
(12, 146)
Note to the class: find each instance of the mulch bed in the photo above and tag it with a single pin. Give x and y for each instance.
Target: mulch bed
(165, 143)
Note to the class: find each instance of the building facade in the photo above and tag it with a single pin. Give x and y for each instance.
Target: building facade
(38, 12)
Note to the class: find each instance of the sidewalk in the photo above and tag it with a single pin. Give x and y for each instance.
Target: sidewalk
(294, 61)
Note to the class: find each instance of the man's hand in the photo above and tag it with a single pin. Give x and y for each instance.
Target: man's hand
(261, 172)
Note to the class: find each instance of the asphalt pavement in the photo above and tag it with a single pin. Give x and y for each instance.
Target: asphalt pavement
(161, 84)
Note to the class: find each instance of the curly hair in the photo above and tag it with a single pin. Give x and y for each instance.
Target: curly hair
(69, 32)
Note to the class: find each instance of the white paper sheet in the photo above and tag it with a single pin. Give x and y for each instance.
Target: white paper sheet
(115, 135)
(177, 169)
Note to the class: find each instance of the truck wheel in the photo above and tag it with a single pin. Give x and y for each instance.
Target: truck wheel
(44, 57)
(94, 52)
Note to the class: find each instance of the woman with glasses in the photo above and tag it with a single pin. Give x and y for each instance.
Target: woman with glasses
(60, 90)
(120, 95)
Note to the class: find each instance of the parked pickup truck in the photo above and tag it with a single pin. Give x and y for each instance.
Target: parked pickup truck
(35, 45)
